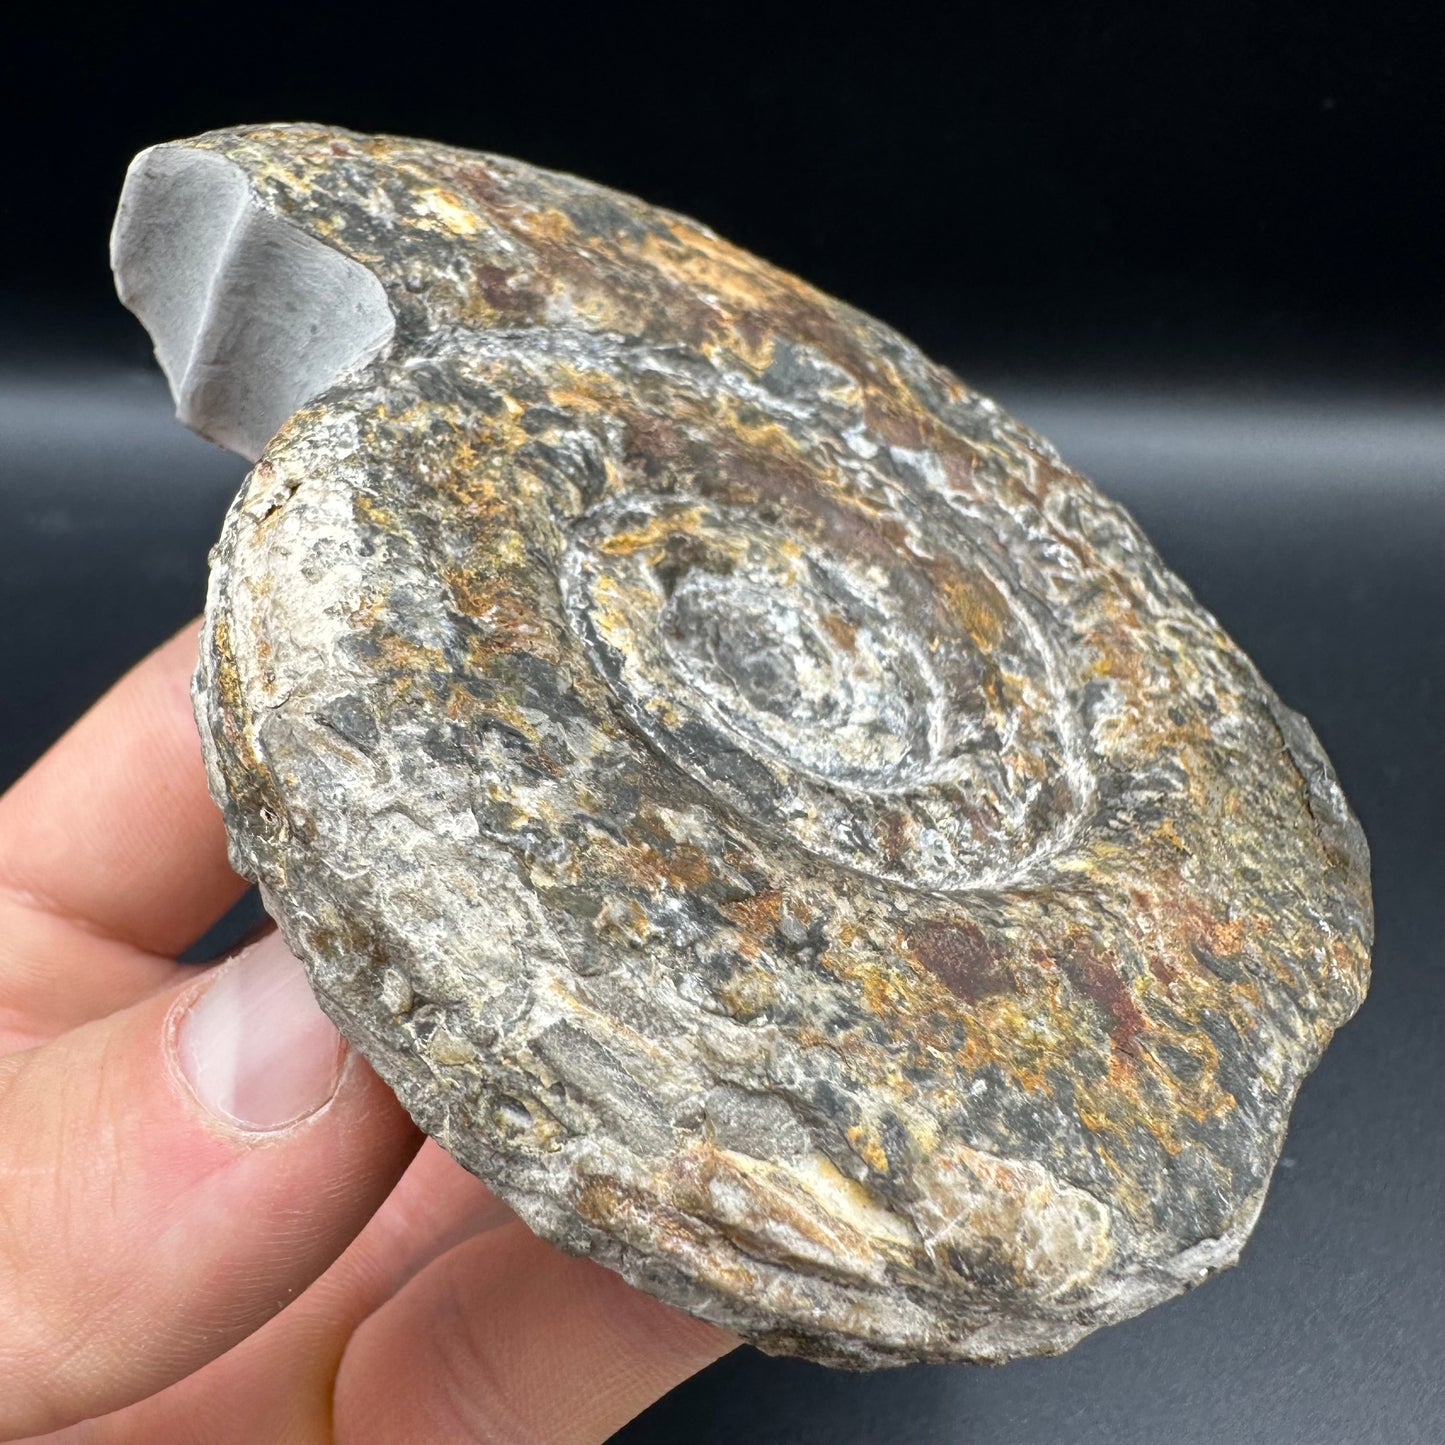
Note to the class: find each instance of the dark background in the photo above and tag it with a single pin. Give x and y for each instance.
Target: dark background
(1198, 245)
(1249, 185)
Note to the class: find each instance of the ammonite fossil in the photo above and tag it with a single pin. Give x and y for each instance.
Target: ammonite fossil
(760, 809)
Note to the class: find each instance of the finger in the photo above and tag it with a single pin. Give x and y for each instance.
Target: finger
(170, 1177)
(54, 976)
(113, 827)
(436, 1205)
(505, 1338)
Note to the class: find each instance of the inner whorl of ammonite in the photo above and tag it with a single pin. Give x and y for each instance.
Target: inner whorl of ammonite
(837, 698)
(791, 656)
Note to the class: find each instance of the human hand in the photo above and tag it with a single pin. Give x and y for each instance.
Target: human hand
(216, 1223)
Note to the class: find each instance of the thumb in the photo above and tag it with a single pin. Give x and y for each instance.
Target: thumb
(173, 1175)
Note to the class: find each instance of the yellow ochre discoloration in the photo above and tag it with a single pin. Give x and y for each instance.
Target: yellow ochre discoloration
(838, 877)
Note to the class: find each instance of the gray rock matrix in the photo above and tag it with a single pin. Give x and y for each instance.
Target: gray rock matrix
(760, 810)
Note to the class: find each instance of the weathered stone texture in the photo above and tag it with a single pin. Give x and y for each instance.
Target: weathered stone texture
(760, 809)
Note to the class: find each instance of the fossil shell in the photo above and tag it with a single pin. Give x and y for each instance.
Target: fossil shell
(759, 808)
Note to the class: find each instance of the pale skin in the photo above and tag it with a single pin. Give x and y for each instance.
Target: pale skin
(169, 1275)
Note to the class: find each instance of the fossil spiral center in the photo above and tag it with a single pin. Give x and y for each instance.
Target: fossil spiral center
(794, 668)
(885, 707)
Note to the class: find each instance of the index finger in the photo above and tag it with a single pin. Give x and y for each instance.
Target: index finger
(113, 828)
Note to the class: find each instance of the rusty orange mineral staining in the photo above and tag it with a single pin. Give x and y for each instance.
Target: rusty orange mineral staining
(759, 808)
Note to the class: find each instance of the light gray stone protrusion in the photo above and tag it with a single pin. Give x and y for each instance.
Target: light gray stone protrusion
(251, 317)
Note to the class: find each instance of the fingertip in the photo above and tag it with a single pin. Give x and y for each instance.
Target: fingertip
(253, 1046)
(128, 1198)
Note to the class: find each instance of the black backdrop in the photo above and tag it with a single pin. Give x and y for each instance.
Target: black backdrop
(1198, 245)
(1247, 183)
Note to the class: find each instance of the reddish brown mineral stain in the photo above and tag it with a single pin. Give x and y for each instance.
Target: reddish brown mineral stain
(1097, 981)
(959, 956)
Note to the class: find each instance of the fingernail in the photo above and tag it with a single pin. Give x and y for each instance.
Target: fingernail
(254, 1047)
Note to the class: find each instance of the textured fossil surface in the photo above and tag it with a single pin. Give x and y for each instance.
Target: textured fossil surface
(759, 808)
